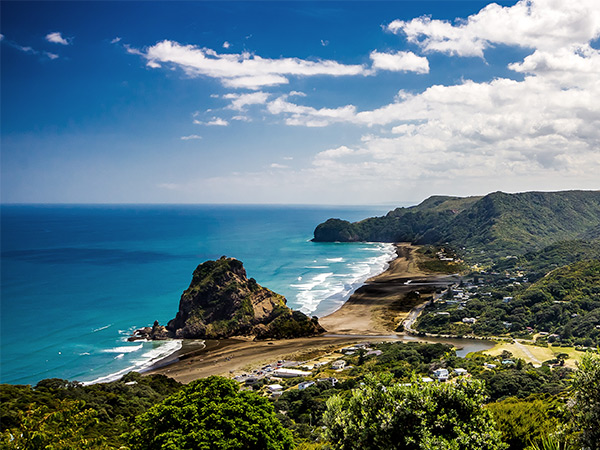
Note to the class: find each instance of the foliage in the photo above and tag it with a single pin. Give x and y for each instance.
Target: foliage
(115, 404)
(527, 421)
(210, 413)
(497, 224)
(381, 415)
(586, 395)
(65, 427)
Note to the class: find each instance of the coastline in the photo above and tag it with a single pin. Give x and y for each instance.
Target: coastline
(373, 311)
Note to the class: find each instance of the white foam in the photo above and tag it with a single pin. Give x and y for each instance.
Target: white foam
(146, 360)
(120, 356)
(102, 328)
(329, 291)
(125, 349)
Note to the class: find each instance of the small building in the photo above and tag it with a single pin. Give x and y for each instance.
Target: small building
(460, 371)
(489, 365)
(331, 380)
(338, 365)
(274, 387)
(426, 380)
(441, 374)
(374, 352)
(290, 373)
(469, 320)
(508, 362)
(305, 384)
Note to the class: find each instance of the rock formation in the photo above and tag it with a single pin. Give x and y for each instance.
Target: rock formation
(222, 302)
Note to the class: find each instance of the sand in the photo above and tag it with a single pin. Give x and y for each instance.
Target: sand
(374, 310)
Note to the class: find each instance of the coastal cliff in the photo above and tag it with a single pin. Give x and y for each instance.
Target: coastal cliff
(222, 301)
(497, 224)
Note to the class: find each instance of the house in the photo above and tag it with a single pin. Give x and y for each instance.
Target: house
(289, 373)
(508, 362)
(274, 387)
(489, 365)
(338, 365)
(460, 371)
(331, 380)
(426, 380)
(305, 384)
(469, 320)
(441, 374)
(374, 352)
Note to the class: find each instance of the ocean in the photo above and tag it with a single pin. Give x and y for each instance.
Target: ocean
(76, 281)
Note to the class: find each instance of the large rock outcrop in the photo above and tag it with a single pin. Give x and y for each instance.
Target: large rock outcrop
(222, 301)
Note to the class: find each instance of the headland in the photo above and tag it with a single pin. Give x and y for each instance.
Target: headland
(374, 311)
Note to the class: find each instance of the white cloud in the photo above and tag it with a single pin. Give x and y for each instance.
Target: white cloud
(399, 62)
(324, 43)
(215, 121)
(538, 24)
(278, 166)
(240, 101)
(243, 70)
(190, 137)
(51, 55)
(56, 38)
(115, 40)
(226, 44)
(242, 118)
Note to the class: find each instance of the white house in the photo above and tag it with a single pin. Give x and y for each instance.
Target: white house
(289, 373)
(441, 374)
(460, 371)
(338, 365)
(305, 385)
(274, 387)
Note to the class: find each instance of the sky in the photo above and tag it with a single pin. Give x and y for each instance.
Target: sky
(343, 102)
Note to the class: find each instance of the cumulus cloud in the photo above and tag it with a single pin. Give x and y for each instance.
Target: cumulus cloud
(244, 70)
(399, 62)
(190, 137)
(215, 121)
(226, 44)
(240, 101)
(56, 38)
(539, 24)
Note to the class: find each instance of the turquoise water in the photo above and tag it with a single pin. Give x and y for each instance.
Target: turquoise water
(77, 280)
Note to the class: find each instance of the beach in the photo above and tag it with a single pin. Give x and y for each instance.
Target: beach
(373, 312)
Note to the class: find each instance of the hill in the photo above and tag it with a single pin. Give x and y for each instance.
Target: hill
(222, 301)
(497, 224)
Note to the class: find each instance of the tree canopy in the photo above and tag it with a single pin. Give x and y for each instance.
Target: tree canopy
(211, 413)
(385, 416)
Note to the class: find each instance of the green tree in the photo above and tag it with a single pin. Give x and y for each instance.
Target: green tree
(64, 428)
(586, 396)
(420, 416)
(211, 413)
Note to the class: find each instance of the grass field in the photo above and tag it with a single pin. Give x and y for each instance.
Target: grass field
(534, 354)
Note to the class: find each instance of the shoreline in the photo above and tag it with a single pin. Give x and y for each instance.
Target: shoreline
(373, 311)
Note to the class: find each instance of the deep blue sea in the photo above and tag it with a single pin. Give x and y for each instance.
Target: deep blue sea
(78, 280)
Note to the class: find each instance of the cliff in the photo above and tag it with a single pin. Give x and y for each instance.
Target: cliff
(222, 301)
(498, 223)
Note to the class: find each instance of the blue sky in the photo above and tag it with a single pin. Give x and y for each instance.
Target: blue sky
(297, 102)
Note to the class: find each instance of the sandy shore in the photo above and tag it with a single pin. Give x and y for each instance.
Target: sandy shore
(375, 309)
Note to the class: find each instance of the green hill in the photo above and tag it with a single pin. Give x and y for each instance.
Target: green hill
(498, 223)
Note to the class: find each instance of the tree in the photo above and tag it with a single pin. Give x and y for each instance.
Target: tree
(64, 428)
(211, 413)
(384, 416)
(586, 396)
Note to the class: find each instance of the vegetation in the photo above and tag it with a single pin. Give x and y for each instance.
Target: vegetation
(498, 224)
(381, 415)
(211, 413)
(586, 405)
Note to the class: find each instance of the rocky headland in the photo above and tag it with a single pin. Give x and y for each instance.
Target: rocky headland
(222, 302)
